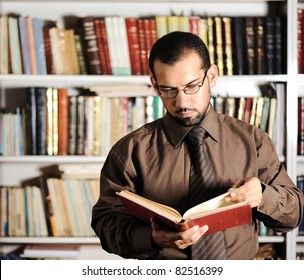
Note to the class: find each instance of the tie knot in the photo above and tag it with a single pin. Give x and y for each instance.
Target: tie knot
(196, 135)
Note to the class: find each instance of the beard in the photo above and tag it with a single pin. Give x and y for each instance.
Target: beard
(191, 121)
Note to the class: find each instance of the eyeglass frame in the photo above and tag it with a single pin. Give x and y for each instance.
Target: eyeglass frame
(200, 84)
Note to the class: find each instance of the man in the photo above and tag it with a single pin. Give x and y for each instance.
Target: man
(155, 162)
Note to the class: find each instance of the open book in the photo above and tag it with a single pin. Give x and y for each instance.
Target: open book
(217, 213)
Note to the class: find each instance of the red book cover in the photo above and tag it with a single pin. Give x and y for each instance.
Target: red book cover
(48, 51)
(101, 46)
(142, 45)
(134, 48)
(194, 22)
(300, 24)
(106, 46)
(63, 121)
(300, 125)
(216, 213)
(148, 40)
(247, 112)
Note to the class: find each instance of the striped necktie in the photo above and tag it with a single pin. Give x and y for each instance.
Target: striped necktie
(202, 188)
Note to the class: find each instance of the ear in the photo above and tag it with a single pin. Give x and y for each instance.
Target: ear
(212, 75)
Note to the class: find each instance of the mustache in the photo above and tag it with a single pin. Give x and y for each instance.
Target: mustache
(181, 110)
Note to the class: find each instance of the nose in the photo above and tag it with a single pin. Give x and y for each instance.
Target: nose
(182, 99)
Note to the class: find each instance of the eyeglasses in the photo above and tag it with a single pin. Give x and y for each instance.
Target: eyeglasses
(189, 89)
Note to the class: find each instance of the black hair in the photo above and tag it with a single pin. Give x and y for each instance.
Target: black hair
(171, 47)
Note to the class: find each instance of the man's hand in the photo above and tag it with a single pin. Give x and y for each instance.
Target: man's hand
(246, 189)
(165, 237)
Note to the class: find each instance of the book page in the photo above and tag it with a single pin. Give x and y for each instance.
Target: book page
(209, 205)
(156, 207)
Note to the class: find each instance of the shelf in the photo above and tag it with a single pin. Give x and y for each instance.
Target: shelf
(271, 239)
(51, 159)
(12, 80)
(95, 240)
(300, 239)
(300, 159)
(49, 240)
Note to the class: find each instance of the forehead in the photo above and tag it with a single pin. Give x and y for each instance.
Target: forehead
(183, 71)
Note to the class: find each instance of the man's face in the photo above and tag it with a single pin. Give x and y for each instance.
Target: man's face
(189, 110)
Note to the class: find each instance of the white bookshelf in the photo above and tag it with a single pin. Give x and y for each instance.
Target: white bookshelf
(15, 169)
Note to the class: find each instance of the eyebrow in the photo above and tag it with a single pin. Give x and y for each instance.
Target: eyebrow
(193, 81)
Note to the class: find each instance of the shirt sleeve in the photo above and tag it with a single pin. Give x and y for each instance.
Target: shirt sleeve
(281, 208)
(119, 232)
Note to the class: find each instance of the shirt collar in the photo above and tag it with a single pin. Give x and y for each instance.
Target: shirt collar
(177, 132)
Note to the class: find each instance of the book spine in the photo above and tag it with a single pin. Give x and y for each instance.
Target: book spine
(25, 48)
(72, 125)
(278, 50)
(31, 121)
(211, 37)
(134, 47)
(80, 126)
(80, 54)
(269, 44)
(259, 44)
(106, 45)
(250, 46)
(239, 46)
(63, 121)
(300, 125)
(40, 120)
(300, 46)
(14, 44)
(39, 46)
(228, 57)
(101, 46)
(219, 45)
(142, 46)
(48, 51)
(91, 45)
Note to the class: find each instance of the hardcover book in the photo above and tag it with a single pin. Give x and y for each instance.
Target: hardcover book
(217, 213)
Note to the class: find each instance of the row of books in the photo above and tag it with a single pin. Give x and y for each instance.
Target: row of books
(59, 207)
(300, 184)
(301, 125)
(266, 112)
(116, 45)
(300, 41)
(56, 123)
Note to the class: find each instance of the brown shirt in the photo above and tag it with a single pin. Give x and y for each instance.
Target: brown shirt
(153, 161)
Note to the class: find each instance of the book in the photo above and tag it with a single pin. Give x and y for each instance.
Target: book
(239, 46)
(63, 121)
(38, 24)
(300, 125)
(259, 33)
(91, 45)
(250, 45)
(217, 213)
(219, 48)
(51, 251)
(99, 25)
(228, 53)
(24, 44)
(14, 45)
(134, 48)
(269, 44)
(278, 43)
(300, 43)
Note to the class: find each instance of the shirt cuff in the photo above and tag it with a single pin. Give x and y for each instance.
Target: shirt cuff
(142, 238)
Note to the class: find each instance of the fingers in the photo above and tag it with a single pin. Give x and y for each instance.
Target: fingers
(190, 237)
(167, 238)
(246, 189)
